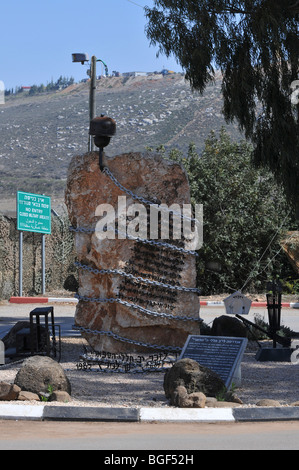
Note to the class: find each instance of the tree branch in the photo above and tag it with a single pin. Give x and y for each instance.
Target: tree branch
(235, 11)
(295, 7)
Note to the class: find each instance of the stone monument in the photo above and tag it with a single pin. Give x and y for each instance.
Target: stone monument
(137, 291)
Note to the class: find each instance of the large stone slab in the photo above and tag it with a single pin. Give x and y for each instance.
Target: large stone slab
(160, 181)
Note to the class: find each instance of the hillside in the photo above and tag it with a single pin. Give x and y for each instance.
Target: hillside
(40, 134)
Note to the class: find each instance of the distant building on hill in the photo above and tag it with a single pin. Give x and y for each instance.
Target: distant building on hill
(134, 74)
(167, 72)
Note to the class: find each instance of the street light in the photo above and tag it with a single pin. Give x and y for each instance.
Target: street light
(274, 313)
(80, 57)
(274, 308)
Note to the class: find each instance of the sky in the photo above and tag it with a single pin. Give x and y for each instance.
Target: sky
(37, 39)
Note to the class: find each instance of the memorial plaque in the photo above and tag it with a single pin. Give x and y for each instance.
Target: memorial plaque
(221, 354)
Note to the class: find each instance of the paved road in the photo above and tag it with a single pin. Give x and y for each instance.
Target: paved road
(10, 314)
(64, 315)
(165, 437)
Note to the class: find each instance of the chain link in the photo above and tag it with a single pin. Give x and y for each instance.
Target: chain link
(136, 278)
(136, 307)
(138, 239)
(141, 198)
(160, 244)
(127, 340)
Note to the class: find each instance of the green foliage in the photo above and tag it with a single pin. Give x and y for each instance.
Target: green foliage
(46, 397)
(244, 209)
(291, 285)
(62, 82)
(255, 46)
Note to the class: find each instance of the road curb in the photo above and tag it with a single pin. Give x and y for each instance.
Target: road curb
(41, 300)
(216, 303)
(203, 303)
(75, 413)
(187, 415)
(285, 413)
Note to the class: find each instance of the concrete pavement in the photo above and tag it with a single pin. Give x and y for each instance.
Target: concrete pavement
(10, 313)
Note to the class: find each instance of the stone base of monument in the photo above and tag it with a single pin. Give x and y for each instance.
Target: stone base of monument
(274, 354)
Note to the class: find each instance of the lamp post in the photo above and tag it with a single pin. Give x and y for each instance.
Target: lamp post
(80, 57)
(274, 313)
(274, 308)
(92, 96)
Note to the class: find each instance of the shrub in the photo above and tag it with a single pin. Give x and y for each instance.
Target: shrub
(244, 210)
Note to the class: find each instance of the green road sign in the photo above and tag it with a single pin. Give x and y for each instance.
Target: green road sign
(33, 212)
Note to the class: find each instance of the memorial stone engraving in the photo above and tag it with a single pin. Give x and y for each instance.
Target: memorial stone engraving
(221, 354)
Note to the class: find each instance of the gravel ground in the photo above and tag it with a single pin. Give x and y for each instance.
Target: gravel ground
(260, 380)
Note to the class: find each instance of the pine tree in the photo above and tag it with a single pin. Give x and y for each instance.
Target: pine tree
(255, 45)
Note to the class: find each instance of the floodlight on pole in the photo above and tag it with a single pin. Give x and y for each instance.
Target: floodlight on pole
(81, 57)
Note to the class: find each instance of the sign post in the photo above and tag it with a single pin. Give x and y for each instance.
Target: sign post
(21, 264)
(33, 215)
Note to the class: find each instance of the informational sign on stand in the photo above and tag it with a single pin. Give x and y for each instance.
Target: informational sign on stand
(221, 354)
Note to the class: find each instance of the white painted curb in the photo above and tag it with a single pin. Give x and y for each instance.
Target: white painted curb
(21, 412)
(183, 414)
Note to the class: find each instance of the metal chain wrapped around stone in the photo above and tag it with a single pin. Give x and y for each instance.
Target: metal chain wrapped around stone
(127, 340)
(141, 198)
(138, 239)
(135, 306)
(137, 279)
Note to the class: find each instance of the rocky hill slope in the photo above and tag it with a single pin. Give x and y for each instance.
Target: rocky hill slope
(40, 134)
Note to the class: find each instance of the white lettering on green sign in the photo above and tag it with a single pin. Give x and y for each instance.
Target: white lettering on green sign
(33, 212)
